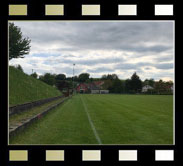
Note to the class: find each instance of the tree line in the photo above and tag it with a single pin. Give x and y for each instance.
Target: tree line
(111, 82)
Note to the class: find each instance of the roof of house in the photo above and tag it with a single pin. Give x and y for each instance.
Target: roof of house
(98, 83)
(82, 85)
(92, 86)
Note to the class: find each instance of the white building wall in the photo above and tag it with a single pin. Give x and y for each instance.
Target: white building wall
(95, 91)
(104, 91)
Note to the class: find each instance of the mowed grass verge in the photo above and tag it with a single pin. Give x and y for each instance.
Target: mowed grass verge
(118, 119)
(67, 124)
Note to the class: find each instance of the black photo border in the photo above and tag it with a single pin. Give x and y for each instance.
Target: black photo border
(73, 153)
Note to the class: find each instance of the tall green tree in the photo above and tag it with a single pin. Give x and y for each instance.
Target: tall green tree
(18, 45)
(63, 84)
(135, 83)
(117, 86)
(83, 77)
(127, 85)
(48, 78)
(60, 77)
(104, 77)
(149, 82)
(160, 86)
(34, 75)
(110, 76)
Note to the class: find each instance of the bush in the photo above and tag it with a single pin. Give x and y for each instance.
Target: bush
(19, 67)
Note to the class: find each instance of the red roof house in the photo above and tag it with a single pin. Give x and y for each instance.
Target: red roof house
(82, 88)
(87, 87)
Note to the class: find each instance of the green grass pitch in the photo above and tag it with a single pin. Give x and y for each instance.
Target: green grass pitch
(104, 119)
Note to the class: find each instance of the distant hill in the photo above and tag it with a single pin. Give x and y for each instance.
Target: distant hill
(24, 88)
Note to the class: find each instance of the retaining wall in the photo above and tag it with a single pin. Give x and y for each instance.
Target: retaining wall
(24, 124)
(23, 107)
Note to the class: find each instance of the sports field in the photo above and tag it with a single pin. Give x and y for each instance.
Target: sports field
(104, 119)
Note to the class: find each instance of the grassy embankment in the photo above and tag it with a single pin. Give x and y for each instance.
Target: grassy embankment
(24, 88)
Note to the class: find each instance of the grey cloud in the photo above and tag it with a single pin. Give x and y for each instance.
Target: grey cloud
(102, 35)
(100, 70)
(155, 49)
(88, 62)
(68, 56)
(68, 70)
(128, 66)
(147, 68)
(130, 39)
(158, 76)
(164, 66)
(164, 58)
(131, 66)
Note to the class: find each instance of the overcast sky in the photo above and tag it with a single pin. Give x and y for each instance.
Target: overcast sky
(99, 48)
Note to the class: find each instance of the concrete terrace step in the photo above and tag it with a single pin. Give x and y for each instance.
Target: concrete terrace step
(15, 126)
(27, 106)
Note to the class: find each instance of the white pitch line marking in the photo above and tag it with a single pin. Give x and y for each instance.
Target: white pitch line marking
(91, 123)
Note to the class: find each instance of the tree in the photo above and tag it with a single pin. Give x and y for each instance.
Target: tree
(19, 67)
(110, 77)
(63, 84)
(75, 79)
(149, 82)
(60, 77)
(163, 87)
(107, 84)
(104, 77)
(69, 78)
(169, 83)
(160, 86)
(18, 45)
(135, 83)
(127, 85)
(34, 75)
(117, 86)
(83, 77)
(114, 76)
(48, 78)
